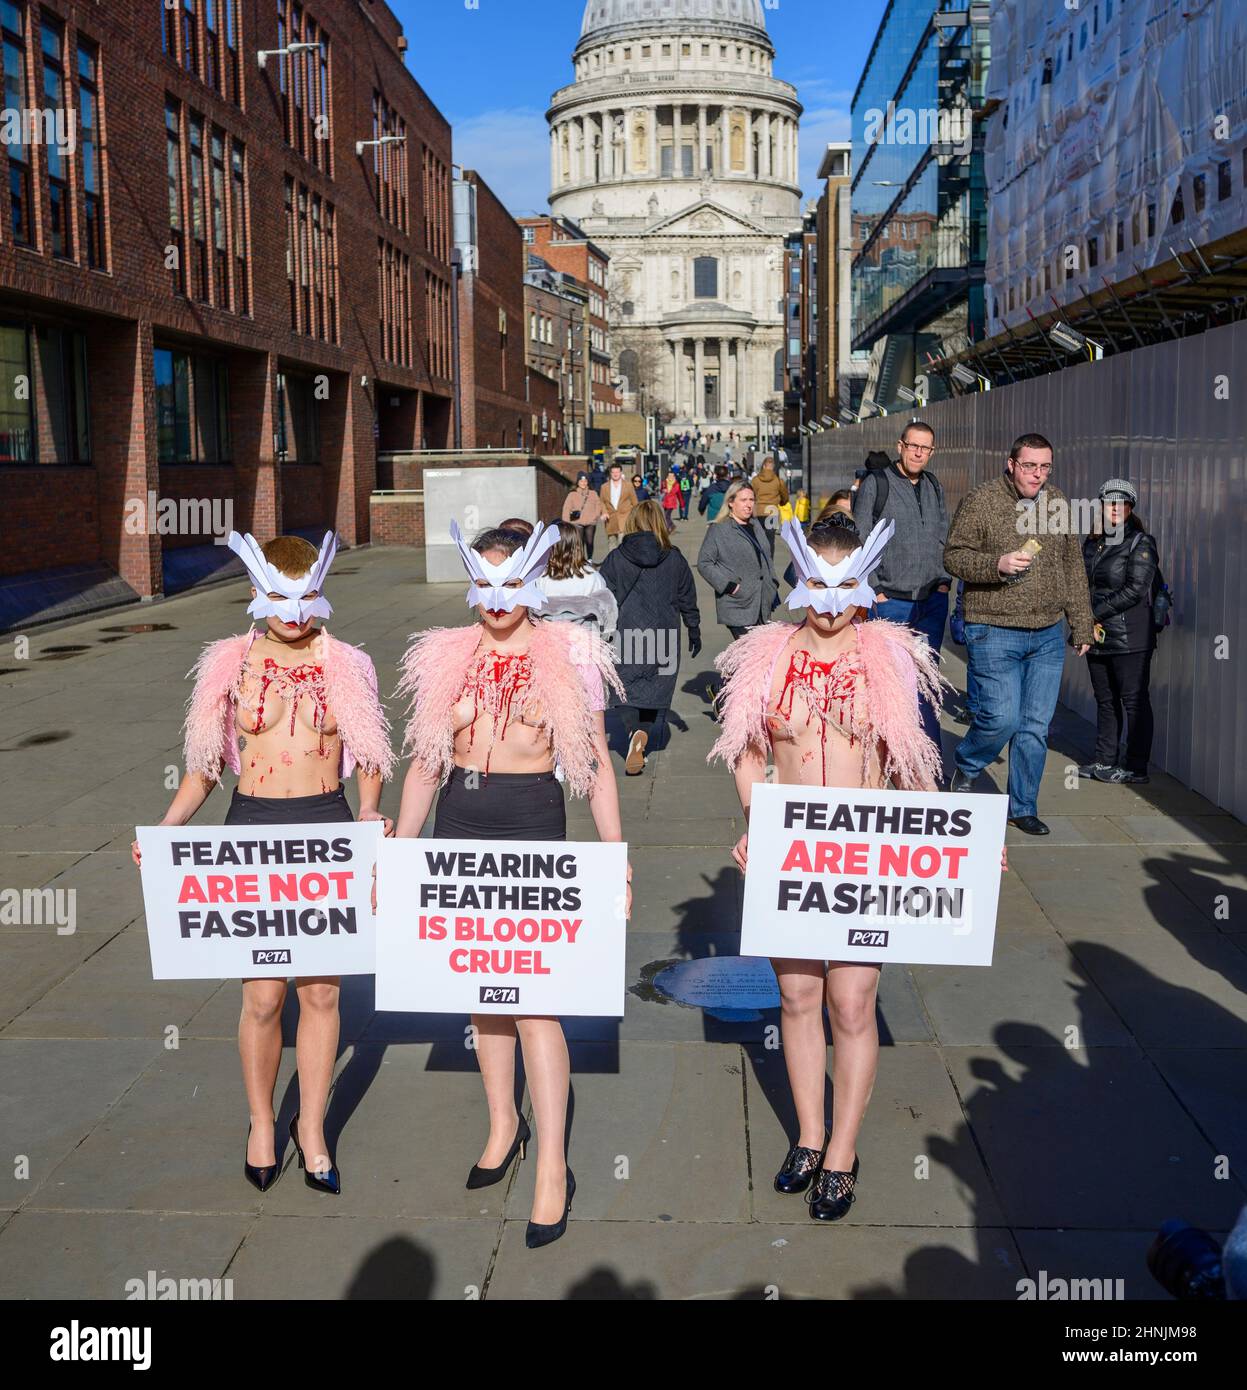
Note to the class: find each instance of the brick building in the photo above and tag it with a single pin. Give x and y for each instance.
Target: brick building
(564, 246)
(556, 305)
(210, 291)
(492, 360)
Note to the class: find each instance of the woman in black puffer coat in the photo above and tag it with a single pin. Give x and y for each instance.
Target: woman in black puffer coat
(1122, 571)
(653, 586)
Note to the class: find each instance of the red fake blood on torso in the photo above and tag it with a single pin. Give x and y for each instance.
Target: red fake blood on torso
(495, 682)
(829, 690)
(290, 683)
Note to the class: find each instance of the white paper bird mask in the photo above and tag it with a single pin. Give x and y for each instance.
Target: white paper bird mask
(292, 606)
(489, 582)
(857, 565)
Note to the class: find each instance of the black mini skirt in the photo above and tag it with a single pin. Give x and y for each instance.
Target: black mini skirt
(500, 806)
(288, 810)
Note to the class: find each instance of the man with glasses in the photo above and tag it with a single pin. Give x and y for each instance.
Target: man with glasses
(911, 579)
(1018, 598)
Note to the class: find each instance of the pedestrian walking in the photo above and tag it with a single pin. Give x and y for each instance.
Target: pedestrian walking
(736, 562)
(618, 499)
(710, 502)
(911, 582)
(1018, 600)
(1123, 574)
(771, 494)
(293, 712)
(654, 588)
(499, 696)
(671, 498)
(575, 590)
(639, 487)
(582, 507)
(686, 488)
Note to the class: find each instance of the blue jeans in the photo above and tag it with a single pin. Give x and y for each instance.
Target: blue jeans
(927, 616)
(1016, 675)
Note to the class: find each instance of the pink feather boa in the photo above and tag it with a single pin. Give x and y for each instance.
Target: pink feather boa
(897, 664)
(571, 668)
(211, 735)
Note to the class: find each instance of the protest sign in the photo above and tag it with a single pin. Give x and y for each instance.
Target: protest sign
(501, 927)
(239, 902)
(845, 875)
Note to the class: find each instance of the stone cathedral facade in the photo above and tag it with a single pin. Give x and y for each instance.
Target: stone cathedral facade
(675, 149)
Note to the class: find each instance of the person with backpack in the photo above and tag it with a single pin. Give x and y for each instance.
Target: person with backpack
(1124, 578)
(911, 579)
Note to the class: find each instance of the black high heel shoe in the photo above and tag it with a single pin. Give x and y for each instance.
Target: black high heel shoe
(832, 1194)
(799, 1168)
(330, 1182)
(261, 1176)
(486, 1177)
(536, 1236)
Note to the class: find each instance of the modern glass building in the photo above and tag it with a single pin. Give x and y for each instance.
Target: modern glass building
(919, 205)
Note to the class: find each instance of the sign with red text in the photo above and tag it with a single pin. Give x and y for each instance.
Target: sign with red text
(501, 927)
(240, 902)
(872, 876)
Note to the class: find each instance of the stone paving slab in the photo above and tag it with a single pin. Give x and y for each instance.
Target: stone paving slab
(35, 960)
(52, 1095)
(363, 1258)
(916, 1126)
(662, 1138)
(96, 1255)
(173, 1143)
(1084, 1138)
(1106, 1256)
(112, 995)
(645, 1261)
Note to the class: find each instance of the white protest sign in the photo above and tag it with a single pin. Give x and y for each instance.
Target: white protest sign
(501, 927)
(239, 902)
(844, 875)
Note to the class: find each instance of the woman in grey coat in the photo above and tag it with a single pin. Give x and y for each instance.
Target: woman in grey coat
(735, 560)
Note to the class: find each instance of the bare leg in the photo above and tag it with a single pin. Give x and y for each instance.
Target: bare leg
(316, 1048)
(851, 993)
(259, 1046)
(548, 1069)
(495, 1050)
(805, 1044)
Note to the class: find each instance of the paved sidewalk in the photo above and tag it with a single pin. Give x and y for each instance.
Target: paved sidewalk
(1046, 1113)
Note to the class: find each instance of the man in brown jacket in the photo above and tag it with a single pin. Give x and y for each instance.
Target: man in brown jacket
(618, 499)
(769, 495)
(1019, 594)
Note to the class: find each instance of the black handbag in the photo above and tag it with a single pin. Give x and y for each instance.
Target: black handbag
(575, 516)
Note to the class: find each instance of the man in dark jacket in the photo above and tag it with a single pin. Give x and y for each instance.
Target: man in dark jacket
(911, 580)
(1019, 595)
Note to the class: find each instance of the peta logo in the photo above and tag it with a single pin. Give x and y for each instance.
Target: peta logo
(500, 994)
(859, 937)
(271, 957)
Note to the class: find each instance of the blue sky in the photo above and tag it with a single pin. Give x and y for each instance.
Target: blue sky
(490, 66)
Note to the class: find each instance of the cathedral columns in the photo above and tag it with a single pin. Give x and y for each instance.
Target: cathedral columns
(554, 157)
(700, 161)
(653, 142)
(698, 411)
(725, 141)
(742, 357)
(767, 170)
(677, 141)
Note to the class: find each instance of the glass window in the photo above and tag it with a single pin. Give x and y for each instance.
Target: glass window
(62, 395)
(92, 175)
(190, 37)
(199, 229)
(17, 442)
(1224, 188)
(220, 248)
(173, 410)
(12, 23)
(238, 209)
(705, 277)
(52, 35)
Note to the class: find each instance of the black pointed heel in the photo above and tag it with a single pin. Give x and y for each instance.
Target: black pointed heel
(260, 1176)
(330, 1182)
(486, 1177)
(833, 1193)
(536, 1236)
(799, 1168)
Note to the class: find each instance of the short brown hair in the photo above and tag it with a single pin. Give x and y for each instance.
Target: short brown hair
(292, 555)
(1029, 441)
(918, 425)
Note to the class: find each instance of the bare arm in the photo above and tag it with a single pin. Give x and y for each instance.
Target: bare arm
(604, 798)
(370, 798)
(413, 811)
(189, 797)
(748, 773)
